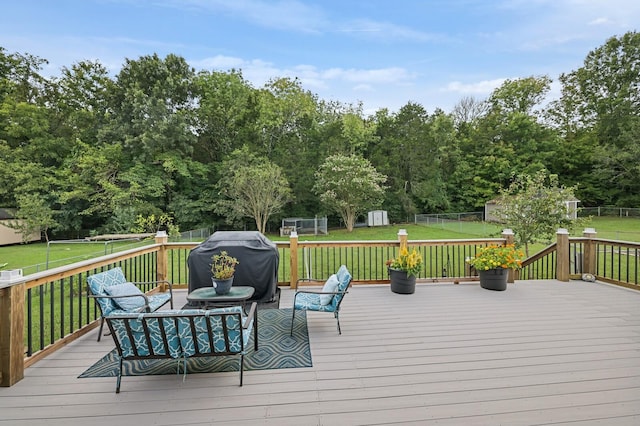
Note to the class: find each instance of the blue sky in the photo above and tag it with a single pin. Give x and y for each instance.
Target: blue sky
(381, 53)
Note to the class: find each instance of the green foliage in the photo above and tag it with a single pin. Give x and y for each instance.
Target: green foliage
(223, 266)
(153, 224)
(409, 262)
(223, 115)
(251, 186)
(496, 256)
(350, 186)
(535, 207)
(98, 150)
(35, 216)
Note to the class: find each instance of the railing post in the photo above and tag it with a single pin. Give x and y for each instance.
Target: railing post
(509, 239)
(563, 261)
(162, 271)
(589, 260)
(293, 259)
(11, 330)
(403, 238)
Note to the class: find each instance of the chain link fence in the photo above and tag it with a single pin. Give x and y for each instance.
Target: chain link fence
(304, 226)
(609, 211)
(468, 223)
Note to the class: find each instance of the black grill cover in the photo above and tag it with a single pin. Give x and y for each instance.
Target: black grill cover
(258, 267)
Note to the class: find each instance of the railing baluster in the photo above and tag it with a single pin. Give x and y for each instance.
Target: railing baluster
(29, 322)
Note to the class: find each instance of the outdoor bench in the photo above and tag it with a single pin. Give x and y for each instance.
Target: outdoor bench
(182, 334)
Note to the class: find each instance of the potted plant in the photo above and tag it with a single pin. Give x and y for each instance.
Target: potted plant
(403, 271)
(493, 263)
(223, 267)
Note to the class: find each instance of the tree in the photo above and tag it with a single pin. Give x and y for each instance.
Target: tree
(34, 215)
(222, 117)
(350, 186)
(153, 224)
(285, 111)
(252, 186)
(520, 95)
(468, 111)
(535, 207)
(600, 109)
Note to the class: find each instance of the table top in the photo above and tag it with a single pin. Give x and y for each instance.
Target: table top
(208, 294)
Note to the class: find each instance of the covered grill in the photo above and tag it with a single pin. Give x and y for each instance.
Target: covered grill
(258, 267)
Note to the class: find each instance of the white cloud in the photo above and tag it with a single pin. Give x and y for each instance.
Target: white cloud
(601, 21)
(367, 28)
(283, 15)
(259, 71)
(379, 75)
(363, 88)
(484, 87)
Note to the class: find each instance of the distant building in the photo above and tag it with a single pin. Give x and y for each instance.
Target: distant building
(377, 218)
(491, 207)
(9, 235)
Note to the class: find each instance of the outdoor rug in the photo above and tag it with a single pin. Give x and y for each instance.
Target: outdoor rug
(276, 349)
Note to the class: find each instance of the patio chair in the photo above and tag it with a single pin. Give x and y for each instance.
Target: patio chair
(116, 295)
(326, 300)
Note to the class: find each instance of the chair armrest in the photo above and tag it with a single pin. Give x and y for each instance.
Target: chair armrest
(158, 282)
(154, 282)
(322, 292)
(251, 316)
(307, 280)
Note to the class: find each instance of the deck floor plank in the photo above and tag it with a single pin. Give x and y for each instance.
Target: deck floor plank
(542, 352)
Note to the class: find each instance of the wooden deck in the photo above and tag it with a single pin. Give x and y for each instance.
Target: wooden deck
(543, 352)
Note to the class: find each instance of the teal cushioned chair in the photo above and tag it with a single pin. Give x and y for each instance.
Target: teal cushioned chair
(310, 300)
(99, 289)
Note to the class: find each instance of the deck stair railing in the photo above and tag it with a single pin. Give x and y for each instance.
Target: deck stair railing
(43, 311)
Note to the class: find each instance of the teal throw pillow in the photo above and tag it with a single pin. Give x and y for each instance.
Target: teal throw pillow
(126, 289)
(330, 286)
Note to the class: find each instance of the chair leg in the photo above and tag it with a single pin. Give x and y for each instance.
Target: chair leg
(241, 367)
(119, 376)
(293, 317)
(338, 321)
(255, 332)
(101, 325)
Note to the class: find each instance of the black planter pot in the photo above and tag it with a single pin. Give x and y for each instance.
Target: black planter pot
(494, 279)
(401, 283)
(222, 286)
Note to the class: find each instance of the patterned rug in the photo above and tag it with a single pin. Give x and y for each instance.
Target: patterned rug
(276, 349)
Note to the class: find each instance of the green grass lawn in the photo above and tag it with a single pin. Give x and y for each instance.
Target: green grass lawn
(33, 257)
(36, 257)
(616, 228)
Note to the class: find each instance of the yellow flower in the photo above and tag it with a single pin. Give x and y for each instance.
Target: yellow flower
(410, 262)
(496, 256)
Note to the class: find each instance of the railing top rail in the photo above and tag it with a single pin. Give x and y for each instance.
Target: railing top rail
(542, 253)
(65, 271)
(394, 242)
(616, 242)
(465, 241)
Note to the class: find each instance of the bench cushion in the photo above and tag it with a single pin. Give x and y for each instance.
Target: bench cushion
(195, 337)
(186, 331)
(312, 302)
(150, 342)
